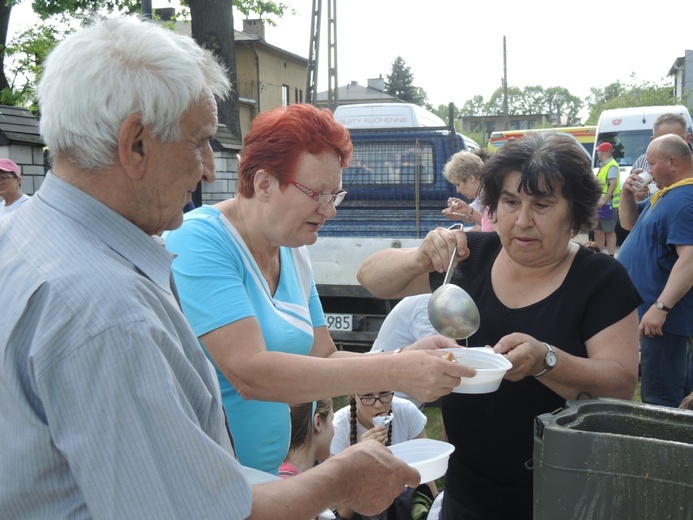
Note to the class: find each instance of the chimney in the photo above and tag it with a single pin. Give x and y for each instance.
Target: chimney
(377, 83)
(255, 27)
(165, 13)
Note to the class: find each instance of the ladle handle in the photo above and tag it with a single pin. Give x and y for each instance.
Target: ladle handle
(448, 274)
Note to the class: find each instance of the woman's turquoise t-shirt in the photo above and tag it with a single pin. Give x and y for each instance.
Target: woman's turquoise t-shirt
(219, 282)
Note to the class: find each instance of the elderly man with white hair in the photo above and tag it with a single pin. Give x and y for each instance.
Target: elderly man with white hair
(109, 407)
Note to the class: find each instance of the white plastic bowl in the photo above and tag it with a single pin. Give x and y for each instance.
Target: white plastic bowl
(428, 456)
(490, 369)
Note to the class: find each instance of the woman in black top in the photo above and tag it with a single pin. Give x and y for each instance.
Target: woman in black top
(564, 317)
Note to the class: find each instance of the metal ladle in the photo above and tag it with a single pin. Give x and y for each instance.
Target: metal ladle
(451, 310)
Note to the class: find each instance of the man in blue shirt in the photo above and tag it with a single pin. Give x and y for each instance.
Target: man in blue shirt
(658, 255)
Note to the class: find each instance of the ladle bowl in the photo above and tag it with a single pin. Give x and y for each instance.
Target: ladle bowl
(452, 312)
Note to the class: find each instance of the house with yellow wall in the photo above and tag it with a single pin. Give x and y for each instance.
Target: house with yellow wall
(268, 76)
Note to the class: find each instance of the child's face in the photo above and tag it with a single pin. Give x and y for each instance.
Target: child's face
(376, 403)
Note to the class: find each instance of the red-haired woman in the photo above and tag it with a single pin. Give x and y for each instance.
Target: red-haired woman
(246, 286)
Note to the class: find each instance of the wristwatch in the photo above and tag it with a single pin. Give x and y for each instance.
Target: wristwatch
(660, 305)
(550, 361)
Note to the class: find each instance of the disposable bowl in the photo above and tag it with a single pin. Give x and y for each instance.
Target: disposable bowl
(490, 369)
(429, 456)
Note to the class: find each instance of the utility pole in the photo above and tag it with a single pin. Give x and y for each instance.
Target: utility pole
(332, 84)
(506, 119)
(314, 54)
(146, 6)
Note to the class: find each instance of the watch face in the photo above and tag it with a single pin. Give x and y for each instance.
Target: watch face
(551, 359)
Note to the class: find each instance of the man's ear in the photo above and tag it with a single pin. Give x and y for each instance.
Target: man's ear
(133, 146)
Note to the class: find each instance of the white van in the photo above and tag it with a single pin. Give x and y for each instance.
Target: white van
(629, 130)
(386, 115)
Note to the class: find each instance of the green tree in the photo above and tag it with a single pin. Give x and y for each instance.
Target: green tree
(603, 95)
(473, 107)
(562, 105)
(495, 104)
(422, 96)
(24, 58)
(555, 101)
(400, 84)
(617, 95)
(443, 112)
(212, 27)
(531, 100)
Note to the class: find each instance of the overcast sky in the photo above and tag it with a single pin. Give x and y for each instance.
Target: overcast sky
(455, 47)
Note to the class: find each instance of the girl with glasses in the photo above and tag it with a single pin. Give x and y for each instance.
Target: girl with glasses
(380, 416)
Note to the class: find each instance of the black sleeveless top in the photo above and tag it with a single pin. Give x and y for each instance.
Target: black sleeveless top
(493, 433)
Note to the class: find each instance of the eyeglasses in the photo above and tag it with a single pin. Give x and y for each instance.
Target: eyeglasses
(323, 199)
(5, 178)
(369, 400)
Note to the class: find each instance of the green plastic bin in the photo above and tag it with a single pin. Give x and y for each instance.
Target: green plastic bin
(609, 459)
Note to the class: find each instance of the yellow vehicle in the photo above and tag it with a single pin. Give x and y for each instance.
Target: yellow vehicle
(584, 134)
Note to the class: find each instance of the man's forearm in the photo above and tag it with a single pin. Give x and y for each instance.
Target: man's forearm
(627, 212)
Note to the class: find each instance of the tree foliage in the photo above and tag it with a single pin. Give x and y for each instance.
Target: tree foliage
(260, 8)
(20, 59)
(400, 84)
(617, 95)
(557, 102)
(24, 57)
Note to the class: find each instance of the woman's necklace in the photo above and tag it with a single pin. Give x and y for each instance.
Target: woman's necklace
(269, 274)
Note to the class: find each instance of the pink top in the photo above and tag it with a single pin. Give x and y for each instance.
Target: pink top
(486, 222)
(287, 470)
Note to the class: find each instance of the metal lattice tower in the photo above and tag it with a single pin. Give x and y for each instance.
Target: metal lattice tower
(314, 54)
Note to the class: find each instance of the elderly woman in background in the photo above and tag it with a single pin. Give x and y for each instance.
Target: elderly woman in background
(246, 286)
(565, 317)
(464, 171)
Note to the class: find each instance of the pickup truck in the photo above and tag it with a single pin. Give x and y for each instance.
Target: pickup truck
(396, 191)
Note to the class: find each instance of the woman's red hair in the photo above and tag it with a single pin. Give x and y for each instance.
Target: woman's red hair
(278, 137)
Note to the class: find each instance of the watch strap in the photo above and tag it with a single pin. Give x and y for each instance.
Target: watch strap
(549, 352)
(660, 305)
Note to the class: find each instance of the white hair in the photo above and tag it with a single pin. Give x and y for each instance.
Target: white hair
(97, 77)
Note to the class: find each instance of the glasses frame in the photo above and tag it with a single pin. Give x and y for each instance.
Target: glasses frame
(7, 177)
(322, 198)
(388, 395)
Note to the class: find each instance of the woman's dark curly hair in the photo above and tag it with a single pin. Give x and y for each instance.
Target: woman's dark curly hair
(547, 162)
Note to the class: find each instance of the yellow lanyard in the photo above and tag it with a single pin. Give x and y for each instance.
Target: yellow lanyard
(655, 196)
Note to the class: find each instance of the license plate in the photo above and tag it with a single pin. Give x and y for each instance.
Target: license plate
(339, 321)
